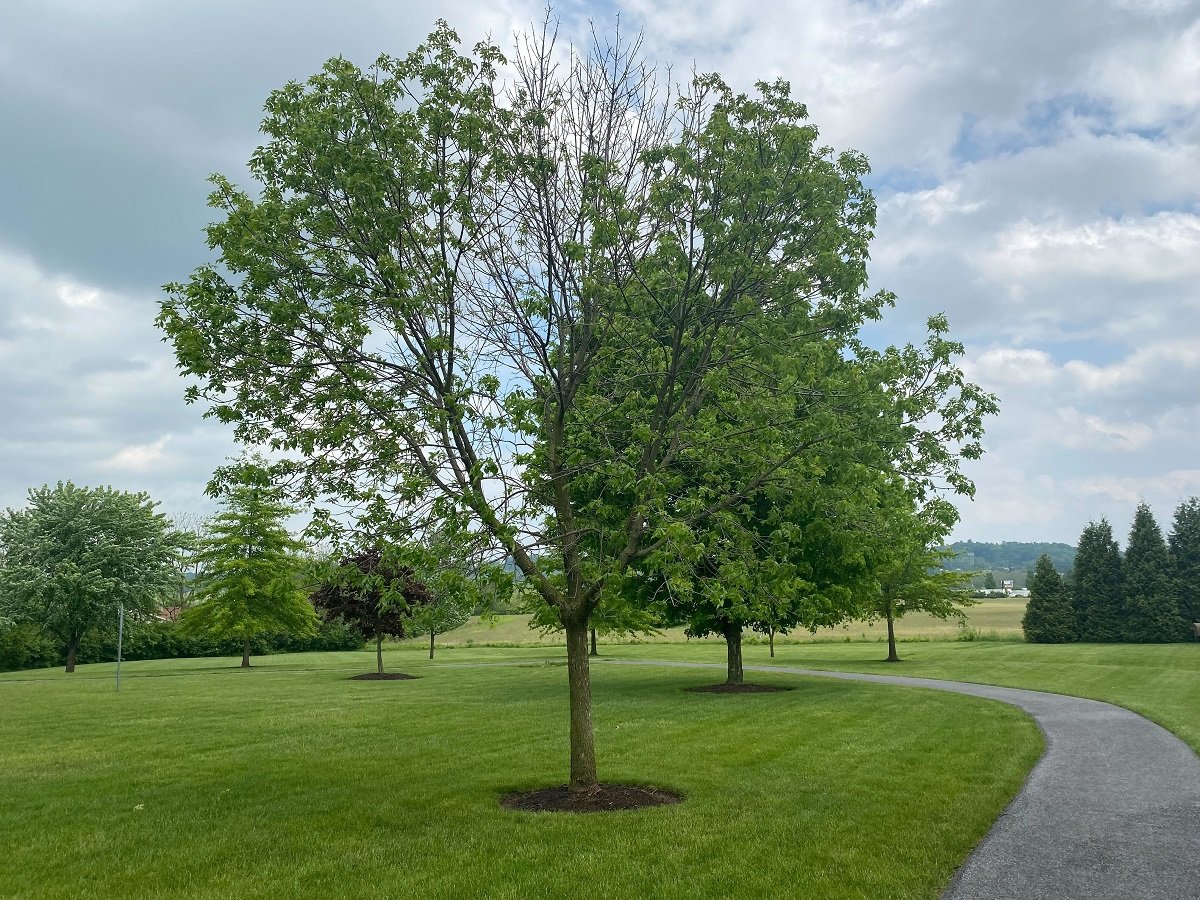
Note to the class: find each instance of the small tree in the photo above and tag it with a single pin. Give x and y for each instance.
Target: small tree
(74, 555)
(1097, 585)
(907, 560)
(250, 569)
(1151, 616)
(1049, 617)
(1184, 544)
(989, 581)
(374, 595)
(444, 612)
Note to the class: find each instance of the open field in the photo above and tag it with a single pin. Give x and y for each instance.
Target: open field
(993, 618)
(199, 780)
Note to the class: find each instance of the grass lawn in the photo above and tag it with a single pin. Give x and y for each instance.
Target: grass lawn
(1161, 682)
(999, 618)
(199, 780)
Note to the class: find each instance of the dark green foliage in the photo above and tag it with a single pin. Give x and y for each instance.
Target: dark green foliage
(978, 555)
(1184, 543)
(1097, 585)
(27, 647)
(989, 582)
(1151, 616)
(1049, 617)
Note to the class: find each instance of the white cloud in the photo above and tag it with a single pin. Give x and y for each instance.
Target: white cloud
(141, 458)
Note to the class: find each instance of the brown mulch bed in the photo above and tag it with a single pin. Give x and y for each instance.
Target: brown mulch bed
(746, 688)
(383, 676)
(605, 798)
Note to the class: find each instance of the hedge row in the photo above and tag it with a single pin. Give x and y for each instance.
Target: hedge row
(27, 647)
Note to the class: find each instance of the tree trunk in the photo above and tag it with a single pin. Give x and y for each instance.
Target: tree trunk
(771, 641)
(72, 650)
(431, 637)
(379, 652)
(733, 651)
(594, 651)
(246, 653)
(891, 622)
(583, 749)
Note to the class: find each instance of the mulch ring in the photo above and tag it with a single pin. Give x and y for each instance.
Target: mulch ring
(603, 798)
(746, 688)
(383, 676)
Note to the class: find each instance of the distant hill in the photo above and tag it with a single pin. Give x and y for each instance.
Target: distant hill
(1009, 555)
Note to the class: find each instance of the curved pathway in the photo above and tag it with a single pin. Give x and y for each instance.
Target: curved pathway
(1112, 809)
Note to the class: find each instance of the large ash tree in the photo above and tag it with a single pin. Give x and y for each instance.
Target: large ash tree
(534, 306)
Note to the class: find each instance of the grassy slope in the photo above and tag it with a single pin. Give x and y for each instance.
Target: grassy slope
(198, 780)
(1001, 618)
(1159, 682)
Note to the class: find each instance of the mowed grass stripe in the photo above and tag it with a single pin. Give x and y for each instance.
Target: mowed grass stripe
(277, 782)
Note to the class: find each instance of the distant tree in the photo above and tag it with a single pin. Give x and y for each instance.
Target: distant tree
(189, 530)
(1049, 617)
(444, 612)
(1184, 544)
(1151, 615)
(74, 555)
(907, 565)
(989, 581)
(251, 569)
(1097, 585)
(374, 595)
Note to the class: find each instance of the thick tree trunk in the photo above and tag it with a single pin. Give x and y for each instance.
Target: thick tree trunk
(891, 623)
(72, 651)
(379, 652)
(733, 652)
(579, 679)
(431, 637)
(592, 635)
(246, 653)
(771, 641)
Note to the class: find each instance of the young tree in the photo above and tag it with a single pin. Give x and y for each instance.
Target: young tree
(1151, 616)
(445, 612)
(250, 568)
(74, 555)
(906, 559)
(1097, 585)
(376, 595)
(989, 581)
(1049, 616)
(446, 306)
(1184, 544)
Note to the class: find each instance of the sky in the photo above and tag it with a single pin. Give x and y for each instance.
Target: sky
(1037, 167)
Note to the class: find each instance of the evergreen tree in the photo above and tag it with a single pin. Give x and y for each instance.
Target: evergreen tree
(1098, 593)
(1151, 615)
(250, 570)
(1049, 617)
(1184, 544)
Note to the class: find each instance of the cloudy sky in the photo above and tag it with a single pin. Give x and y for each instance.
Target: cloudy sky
(1037, 166)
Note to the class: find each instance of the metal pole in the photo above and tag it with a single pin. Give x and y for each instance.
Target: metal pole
(120, 639)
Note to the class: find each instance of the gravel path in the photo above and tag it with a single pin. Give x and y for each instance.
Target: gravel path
(1112, 810)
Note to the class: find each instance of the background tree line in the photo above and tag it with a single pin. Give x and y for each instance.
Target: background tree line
(1149, 594)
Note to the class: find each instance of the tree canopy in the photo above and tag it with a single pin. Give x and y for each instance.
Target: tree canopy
(1097, 585)
(534, 307)
(1151, 615)
(73, 555)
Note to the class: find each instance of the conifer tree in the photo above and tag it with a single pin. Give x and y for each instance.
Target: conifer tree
(1049, 617)
(1151, 615)
(1184, 544)
(250, 570)
(1098, 592)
